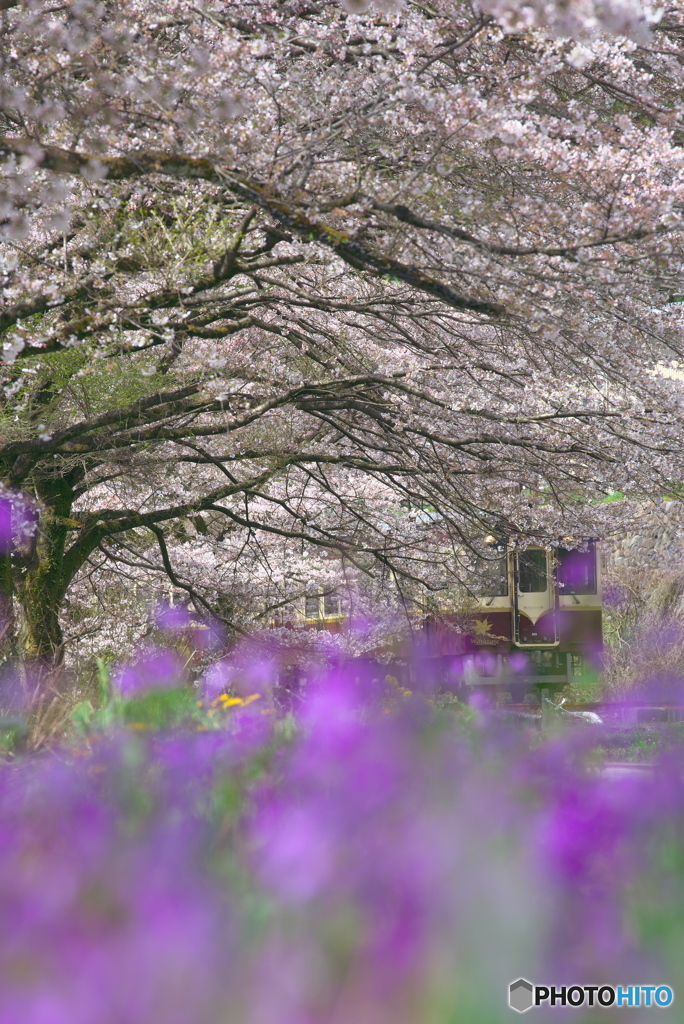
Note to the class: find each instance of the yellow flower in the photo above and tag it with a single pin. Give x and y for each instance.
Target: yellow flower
(228, 702)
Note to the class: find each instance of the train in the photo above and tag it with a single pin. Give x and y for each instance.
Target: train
(538, 621)
(535, 624)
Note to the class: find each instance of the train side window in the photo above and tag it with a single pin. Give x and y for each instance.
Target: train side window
(495, 578)
(576, 571)
(331, 604)
(532, 571)
(311, 610)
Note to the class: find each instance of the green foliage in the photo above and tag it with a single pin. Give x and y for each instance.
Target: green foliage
(644, 744)
(107, 384)
(14, 734)
(160, 709)
(58, 386)
(173, 233)
(584, 691)
(153, 710)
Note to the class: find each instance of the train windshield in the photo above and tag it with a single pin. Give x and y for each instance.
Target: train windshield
(532, 578)
(576, 572)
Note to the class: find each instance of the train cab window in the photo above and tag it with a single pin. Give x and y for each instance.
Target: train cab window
(331, 604)
(311, 608)
(576, 571)
(532, 571)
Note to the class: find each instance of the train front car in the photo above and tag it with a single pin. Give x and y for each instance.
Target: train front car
(537, 623)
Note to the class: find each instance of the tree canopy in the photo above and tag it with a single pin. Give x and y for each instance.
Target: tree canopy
(316, 278)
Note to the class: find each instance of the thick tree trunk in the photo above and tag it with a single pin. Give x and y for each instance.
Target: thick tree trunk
(40, 587)
(40, 635)
(7, 623)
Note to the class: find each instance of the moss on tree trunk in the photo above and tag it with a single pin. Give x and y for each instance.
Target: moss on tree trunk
(7, 624)
(40, 587)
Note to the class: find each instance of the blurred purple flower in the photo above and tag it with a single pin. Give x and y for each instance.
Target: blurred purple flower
(518, 661)
(217, 679)
(154, 670)
(6, 531)
(172, 619)
(349, 862)
(204, 635)
(18, 521)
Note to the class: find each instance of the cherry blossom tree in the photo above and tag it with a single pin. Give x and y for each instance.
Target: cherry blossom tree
(336, 287)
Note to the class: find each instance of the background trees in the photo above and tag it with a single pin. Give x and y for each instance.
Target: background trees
(304, 279)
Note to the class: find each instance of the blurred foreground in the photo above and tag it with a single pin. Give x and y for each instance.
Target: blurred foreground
(360, 854)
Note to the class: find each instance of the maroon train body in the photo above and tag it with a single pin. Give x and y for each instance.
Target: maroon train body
(536, 624)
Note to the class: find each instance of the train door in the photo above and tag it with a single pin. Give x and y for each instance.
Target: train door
(535, 622)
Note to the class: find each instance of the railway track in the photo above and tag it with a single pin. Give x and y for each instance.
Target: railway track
(623, 712)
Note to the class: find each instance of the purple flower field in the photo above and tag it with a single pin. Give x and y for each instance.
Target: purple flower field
(365, 860)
